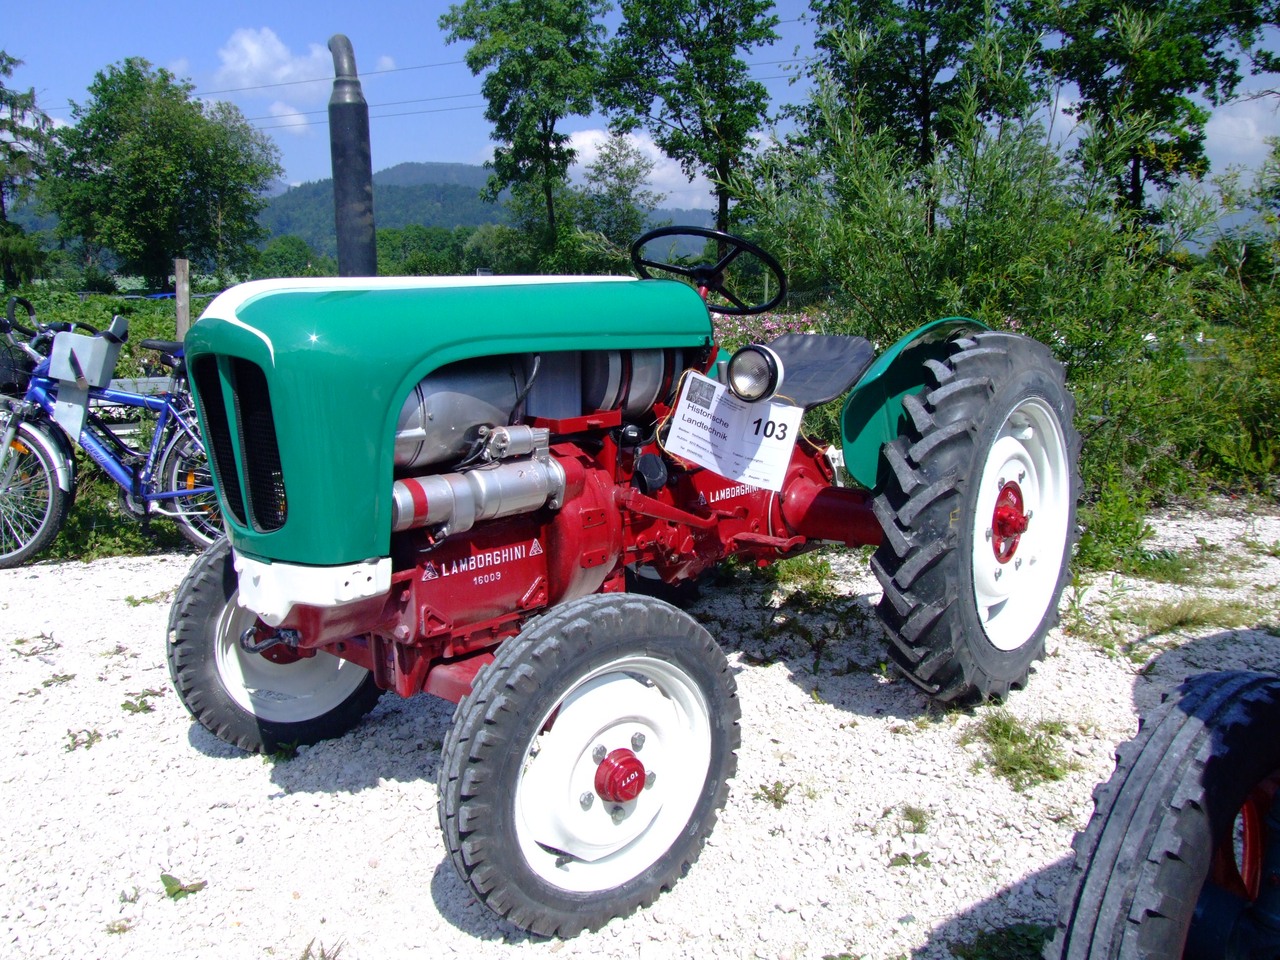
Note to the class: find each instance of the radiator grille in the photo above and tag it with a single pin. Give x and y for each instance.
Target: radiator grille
(264, 479)
(204, 372)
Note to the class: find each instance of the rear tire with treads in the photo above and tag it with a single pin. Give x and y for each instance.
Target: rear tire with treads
(978, 513)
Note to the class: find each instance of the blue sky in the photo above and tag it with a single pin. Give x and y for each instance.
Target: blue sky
(270, 58)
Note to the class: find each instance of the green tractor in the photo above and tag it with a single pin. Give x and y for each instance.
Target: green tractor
(479, 488)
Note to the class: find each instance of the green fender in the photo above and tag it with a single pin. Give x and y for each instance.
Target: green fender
(872, 414)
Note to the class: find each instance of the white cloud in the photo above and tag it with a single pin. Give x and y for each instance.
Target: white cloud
(1235, 135)
(258, 58)
(667, 177)
(180, 68)
(385, 63)
(289, 119)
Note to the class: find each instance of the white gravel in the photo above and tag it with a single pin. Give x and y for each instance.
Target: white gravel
(340, 846)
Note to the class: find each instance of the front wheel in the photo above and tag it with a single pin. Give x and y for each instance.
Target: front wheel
(978, 512)
(585, 770)
(256, 701)
(1181, 856)
(185, 468)
(33, 507)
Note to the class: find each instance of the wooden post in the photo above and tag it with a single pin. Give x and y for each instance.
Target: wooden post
(182, 289)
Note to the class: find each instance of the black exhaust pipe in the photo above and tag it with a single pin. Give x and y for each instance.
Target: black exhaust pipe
(352, 166)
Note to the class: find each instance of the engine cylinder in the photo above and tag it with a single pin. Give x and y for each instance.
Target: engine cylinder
(441, 417)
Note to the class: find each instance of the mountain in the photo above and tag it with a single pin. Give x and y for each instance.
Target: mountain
(418, 174)
(432, 194)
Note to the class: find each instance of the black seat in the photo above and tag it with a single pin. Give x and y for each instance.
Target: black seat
(817, 368)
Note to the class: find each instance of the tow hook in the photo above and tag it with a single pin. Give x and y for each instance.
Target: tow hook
(286, 636)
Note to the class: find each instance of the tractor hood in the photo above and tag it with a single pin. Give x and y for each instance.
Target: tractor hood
(299, 384)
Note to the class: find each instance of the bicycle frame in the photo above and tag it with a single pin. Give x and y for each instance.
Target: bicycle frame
(106, 449)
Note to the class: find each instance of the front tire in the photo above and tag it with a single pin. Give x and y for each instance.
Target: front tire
(585, 770)
(1172, 862)
(249, 699)
(978, 512)
(33, 507)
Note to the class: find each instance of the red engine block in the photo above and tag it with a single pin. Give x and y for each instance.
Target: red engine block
(452, 601)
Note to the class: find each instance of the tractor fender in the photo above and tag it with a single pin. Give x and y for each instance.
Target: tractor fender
(872, 413)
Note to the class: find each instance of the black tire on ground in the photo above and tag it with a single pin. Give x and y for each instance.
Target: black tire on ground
(247, 699)
(33, 507)
(585, 770)
(1174, 850)
(978, 511)
(185, 466)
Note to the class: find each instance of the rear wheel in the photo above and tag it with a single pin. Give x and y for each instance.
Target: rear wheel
(33, 507)
(585, 770)
(257, 701)
(1181, 856)
(185, 467)
(978, 512)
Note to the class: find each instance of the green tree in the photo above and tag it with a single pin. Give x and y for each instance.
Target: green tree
(917, 67)
(289, 256)
(1137, 59)
(24, 134)
(153, 174)
(542, 59)
(675, 67)
(617, 201)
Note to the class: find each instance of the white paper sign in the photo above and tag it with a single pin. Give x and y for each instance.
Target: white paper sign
(747, 442)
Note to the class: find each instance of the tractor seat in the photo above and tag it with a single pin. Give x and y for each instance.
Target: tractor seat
(817, 368)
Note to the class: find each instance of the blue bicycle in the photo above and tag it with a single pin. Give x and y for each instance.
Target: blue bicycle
(56, 385)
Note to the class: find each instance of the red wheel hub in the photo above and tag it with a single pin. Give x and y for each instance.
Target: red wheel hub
(1008, 522)
(620, 776)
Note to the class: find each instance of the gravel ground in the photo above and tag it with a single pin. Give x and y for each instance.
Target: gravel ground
(339, 847)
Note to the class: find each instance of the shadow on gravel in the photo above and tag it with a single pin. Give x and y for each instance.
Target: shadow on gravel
(459, 908)
(399, 740)
(831, 645)
(1016, 922)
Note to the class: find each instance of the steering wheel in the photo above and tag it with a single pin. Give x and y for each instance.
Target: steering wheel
(714, 278)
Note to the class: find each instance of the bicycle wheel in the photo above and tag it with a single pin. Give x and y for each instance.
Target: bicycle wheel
(32, 505)
(185, 467)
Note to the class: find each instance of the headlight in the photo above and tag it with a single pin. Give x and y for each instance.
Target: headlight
(755, 373)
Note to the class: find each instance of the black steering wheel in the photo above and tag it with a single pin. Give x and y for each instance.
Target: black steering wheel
(715, 278)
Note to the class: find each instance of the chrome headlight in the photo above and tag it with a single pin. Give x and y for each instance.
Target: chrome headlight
(755, 373)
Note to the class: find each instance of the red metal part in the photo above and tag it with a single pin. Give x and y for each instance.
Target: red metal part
(454, 599)
(1237, 859)
(620, 776)
(1008, 522)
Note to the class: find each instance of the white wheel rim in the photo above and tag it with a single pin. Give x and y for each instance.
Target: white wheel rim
(280, 692)
(585, 845)
(1029, 455)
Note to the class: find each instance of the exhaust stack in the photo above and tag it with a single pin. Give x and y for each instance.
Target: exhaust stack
(352, 165)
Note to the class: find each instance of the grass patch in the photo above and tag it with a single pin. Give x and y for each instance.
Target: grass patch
(1018, 941)
(81, 738)
(175, 889)
(775, 794)
(1190, 613)
(1023, 755)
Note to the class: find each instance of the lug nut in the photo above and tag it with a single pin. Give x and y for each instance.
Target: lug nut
(650, 779)
(586, 800)
(599, 753)
(637, 741)
(618, 814)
